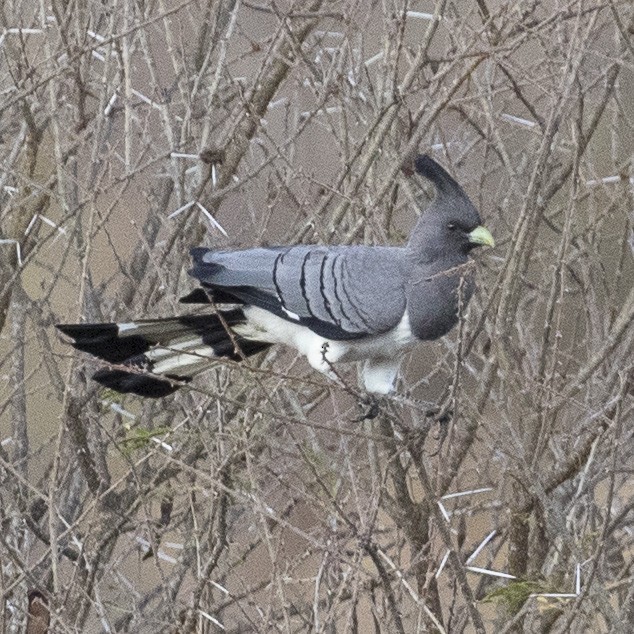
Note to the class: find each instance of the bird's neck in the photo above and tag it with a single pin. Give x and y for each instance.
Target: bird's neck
(423, 252)
(437, 294)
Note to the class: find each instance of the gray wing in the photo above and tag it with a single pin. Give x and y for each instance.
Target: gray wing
(337, 292)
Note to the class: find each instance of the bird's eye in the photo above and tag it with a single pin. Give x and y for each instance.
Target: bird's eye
(451, 226)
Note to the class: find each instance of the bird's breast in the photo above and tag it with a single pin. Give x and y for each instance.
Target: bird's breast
(434, 302)
(386, 345)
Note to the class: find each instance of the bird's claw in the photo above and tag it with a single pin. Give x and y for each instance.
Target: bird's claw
(443, 418)
(370, 408)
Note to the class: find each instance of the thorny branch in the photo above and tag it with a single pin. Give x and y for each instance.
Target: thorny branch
(251, 501)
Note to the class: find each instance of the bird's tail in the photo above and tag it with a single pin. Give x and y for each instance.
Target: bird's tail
(159, 352)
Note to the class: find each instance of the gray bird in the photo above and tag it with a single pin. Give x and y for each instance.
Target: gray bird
(331, 303)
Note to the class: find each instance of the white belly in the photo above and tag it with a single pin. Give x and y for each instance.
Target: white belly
(382, 352)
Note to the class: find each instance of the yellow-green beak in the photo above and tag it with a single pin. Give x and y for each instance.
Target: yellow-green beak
(482, 237)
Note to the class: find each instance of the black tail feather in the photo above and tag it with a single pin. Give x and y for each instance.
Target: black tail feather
(197, 296)
(136, 345)
(209, 295)
(103, 341)
(137, 383)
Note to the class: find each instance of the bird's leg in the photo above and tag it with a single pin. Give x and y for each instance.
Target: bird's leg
(443, 430)
(440, 413)
(428, 409)
(368, 403)
(443, 416)
(326, 366)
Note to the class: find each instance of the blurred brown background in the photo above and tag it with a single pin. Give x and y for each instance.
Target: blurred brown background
(254, 502)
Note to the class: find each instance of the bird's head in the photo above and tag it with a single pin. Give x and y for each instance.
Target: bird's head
(451, 226)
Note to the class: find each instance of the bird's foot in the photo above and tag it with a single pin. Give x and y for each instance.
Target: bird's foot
(443, 417)
(370, 407)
